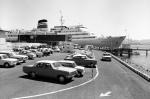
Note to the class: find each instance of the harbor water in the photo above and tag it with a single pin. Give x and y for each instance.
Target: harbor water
(142, 59)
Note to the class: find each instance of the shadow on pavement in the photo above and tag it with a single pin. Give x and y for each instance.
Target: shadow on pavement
(44, 79)
(7, 67)
(90, 66)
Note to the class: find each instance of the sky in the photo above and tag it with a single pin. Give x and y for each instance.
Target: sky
(101, 17)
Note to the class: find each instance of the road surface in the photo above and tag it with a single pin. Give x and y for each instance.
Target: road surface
(110, 80)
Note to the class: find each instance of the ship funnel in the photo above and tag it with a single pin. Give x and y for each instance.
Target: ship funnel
(42, 25)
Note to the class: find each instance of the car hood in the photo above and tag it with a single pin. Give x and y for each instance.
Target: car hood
(24, 56)
(16, 57)
(32, 54)
(66, 69)
(10, 59)
(91, 59)
(107, 56)
(79, 67)
(28, 66)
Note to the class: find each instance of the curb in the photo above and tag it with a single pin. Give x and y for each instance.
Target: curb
(140, 73)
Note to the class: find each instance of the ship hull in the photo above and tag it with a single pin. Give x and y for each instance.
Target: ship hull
(110, 42)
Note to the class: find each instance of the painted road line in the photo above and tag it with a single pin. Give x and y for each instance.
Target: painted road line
(105, 94)
(49, 93)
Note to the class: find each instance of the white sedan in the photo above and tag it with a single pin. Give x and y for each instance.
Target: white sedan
(106, 57)
(72, 64)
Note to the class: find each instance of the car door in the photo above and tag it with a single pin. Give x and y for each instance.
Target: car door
(39, 69)
(83, 61)
(46, 70)
(78, 60)
(1, 61)
(67, 64)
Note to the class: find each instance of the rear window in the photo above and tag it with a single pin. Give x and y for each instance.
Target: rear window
(106, 54)
(57, 64)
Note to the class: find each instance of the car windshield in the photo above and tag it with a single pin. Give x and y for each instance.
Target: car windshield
(84, 57)
(57, 64)
(12, 54)
(68, 57)
(74, 65)
(5, 56)
(105, 54)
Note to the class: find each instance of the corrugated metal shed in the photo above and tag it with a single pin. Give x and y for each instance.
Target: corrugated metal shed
(2, 34)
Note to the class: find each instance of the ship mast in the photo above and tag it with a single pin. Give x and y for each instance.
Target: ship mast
(61, 19)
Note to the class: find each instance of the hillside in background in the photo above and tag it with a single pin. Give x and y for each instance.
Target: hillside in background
(130, 41)
(147, 41)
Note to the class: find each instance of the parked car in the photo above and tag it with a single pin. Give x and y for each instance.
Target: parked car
(30, 54)
(45, 51)
(24, 57)
(88, 53)
(82, 60)
(50, 50)
(38, 53)
(13, 55)
(72, 64)
(106, 57)
(49, 68)
(17, 49)
(7, 62)
(56, 49)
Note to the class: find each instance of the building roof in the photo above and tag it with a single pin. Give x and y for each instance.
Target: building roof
(3, 33)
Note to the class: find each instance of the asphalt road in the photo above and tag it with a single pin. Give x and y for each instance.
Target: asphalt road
(111, 80)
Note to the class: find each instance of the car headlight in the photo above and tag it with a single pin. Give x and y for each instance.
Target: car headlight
(12, 62)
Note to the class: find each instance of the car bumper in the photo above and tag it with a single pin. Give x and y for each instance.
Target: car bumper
(25, 59)
(82, 72)
(106, 59)
(14, 64)
(71, 76)
(31, 57)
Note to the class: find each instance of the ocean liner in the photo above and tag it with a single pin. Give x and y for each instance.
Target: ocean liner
(78, 35)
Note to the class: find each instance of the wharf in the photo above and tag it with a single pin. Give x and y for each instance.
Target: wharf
(122, 51)
(119, 51)
(140, 70)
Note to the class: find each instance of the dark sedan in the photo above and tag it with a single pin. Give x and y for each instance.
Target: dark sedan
(82, 60)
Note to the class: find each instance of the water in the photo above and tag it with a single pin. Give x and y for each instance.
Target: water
(141, 59)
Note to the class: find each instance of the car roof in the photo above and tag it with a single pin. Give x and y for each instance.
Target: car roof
(5, 51)
(67, 61)
(2, 54)
(46, 61)
(78, 55)
(106, 53)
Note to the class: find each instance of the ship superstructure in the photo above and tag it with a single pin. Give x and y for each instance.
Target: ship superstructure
(75, 31)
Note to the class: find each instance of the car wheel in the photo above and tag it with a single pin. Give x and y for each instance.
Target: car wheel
(80, 74)
(92, 65)
(32, 74)
(24, 61)
(6, 65)
(61, 79)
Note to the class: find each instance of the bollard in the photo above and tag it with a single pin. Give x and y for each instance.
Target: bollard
(146, 52)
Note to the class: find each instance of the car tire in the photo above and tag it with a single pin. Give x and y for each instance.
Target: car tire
(24, 61)
(32, 75)
(61, 79)
(6, 65)
(92, 65)
(80, 74)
